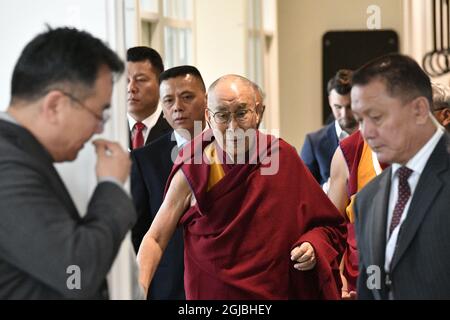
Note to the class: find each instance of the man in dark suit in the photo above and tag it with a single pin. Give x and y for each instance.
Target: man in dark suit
(145, 118)
(319, 147)
(59, 100)
(402, 216)
(183, 98)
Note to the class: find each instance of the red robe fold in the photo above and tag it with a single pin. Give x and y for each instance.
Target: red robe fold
(239, 235)
(351, 149)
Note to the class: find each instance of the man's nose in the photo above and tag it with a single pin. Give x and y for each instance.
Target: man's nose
(367, 130)
(131, 88)
(233, 124)
(178, 105)
(347, 113)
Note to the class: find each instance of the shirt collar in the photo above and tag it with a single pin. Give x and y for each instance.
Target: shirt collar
(419, 160)
(7, 117)
(341, 134)
(149, 121)
(181, 141)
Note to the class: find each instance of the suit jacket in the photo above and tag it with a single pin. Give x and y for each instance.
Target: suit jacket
(421, 263)
(151, 167)
(160, 128)
(318, 150)
(43, 239)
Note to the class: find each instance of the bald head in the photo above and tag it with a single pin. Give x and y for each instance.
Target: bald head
(231, 113)
(232, 85)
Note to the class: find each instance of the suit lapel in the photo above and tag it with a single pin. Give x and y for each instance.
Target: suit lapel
(379, 216)
(332, 137)
(426, 191)
(28, 143)
(61, 191)
(161, 126)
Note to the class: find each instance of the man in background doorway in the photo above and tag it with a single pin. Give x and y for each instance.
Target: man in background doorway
(319, 147)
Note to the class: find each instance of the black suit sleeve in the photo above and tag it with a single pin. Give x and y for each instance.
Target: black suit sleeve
(141, 199)
(362, 291)
(309, 158)
(42, 238)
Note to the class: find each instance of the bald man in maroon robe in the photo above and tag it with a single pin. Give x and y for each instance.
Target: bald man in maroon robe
(256, 223)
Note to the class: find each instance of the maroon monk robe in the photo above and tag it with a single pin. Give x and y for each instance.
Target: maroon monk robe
(239, 235)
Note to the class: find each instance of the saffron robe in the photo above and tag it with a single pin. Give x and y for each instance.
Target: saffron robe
(360, 163)
(239, 234)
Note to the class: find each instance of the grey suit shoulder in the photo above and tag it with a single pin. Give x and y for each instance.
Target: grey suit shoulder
(42, 234)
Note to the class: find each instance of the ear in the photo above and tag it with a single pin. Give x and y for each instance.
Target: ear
(421, 109)
(207, 117)
(52, 106)
(261, 111)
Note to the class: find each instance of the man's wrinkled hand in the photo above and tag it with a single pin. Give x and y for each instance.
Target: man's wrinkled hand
(305, 256)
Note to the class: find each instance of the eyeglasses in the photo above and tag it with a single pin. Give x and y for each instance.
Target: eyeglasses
(101, 118)
(224, 117)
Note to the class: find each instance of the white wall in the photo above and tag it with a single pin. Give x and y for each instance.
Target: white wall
(301, 26)
(20, 21)
(220, 38)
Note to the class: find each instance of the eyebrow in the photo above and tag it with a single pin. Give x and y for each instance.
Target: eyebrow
(342, 105)
(221, 108)
(140, 74)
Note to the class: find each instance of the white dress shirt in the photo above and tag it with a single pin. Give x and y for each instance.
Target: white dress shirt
(181, 141)
(416, 164)
(148, 122)
(341, 134)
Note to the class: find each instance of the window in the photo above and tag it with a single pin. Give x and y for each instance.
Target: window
(262, 65)
(255, 42)
(165, 25)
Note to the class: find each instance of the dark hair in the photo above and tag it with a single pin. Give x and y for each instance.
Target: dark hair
(341, 82)
(60, 56)
(181, 71)
(139, 54)
(402, 76)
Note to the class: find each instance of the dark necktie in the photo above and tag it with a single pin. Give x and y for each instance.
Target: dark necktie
(138, 136)
(404, 192)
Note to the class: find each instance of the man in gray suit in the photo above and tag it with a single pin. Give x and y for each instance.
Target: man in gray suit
(60, 94)
(402, 216)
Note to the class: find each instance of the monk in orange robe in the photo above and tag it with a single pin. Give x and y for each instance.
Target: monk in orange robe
(353, 165)
(256, 223)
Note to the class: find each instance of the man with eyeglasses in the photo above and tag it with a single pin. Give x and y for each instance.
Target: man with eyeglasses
(256, 224)
(59, 101)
